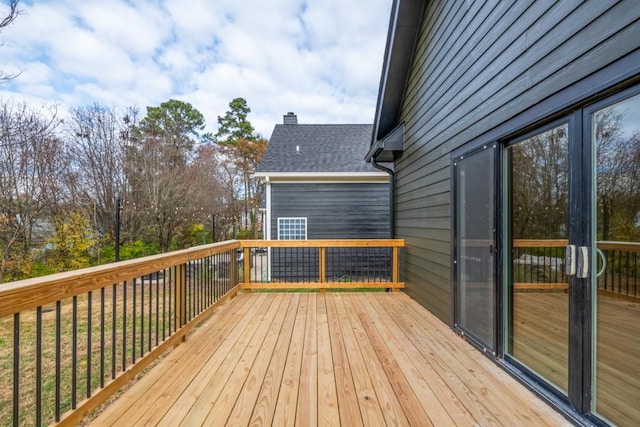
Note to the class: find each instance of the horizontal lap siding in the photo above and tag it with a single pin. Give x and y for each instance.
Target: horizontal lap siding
(334, 211)
(478, 64)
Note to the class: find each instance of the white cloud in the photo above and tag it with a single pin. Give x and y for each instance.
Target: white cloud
(319, 58)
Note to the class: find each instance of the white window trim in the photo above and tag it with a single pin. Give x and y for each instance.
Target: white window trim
(280, 219)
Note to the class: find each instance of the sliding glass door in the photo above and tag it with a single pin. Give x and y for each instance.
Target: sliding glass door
(537, 231)
(571, 257)
(615, 266)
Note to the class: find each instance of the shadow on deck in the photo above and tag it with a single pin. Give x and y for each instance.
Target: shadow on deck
(326, 358)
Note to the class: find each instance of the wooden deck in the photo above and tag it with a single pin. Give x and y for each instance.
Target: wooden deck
(326, 359)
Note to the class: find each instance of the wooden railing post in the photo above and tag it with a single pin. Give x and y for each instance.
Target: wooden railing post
(246, 274)
(233, 266)
(322, 267)
(395, 268)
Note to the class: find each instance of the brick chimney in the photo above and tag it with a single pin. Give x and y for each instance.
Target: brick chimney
(290, 119)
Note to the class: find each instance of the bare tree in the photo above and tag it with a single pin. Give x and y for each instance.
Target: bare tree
(97, 136)
(159, 196)
(10, 16)
(214, 189)
(33, 167)
(540, 185)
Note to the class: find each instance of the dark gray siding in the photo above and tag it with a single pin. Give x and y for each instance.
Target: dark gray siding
(476, 66)
(334, 211)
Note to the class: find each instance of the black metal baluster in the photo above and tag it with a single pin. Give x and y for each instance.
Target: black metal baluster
(635, 274)
(16, 369)
(171, 284)
(102, 341)
(124, 326)
(39, 366)
(158, 309)
(150, 312)
(198, 289)
(619, 271)
(207, 272)
(133, 323)
(142, 316)
(626, 273)
(113, 331)
(606, 256)
(58, 346)
(74, 352)
(164, 304)
(216, 276)
(188, 295)
(89, 313)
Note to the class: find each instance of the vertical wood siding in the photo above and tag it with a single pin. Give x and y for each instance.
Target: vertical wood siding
(478, 64)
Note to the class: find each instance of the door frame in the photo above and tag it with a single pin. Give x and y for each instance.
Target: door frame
(496, 345)
(590, 199)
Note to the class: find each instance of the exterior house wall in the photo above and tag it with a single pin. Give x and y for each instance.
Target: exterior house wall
(476, 66)
(333, 211)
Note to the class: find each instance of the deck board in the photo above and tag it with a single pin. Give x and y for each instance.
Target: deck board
(326, 359)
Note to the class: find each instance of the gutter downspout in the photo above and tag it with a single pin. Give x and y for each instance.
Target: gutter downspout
(392, 215)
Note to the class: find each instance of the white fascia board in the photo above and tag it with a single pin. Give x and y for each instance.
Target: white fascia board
(321, 175)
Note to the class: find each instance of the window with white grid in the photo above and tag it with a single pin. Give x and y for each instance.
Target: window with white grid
(292, 228)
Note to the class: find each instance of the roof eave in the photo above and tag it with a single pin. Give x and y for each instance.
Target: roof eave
(318, 174)
(406, 16)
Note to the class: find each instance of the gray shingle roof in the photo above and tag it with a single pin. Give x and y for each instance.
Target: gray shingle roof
(323, 148)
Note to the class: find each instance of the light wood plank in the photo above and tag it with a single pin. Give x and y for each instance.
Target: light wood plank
(148, 391)
(220, 387)
(186, 398)
(334, 359)
(328, 414)
(389, 401)
(268, 396)
(473, 374)
(307, 412)
(248, 374)
(285, 412)
(440, 402)
(345, 387)
(409, 401)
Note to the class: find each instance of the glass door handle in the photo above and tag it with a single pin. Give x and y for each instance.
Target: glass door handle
(577, 261)
(583, 262)
(570, 260)
(604, 262)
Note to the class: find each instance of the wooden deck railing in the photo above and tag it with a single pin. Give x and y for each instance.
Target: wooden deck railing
(321, 264)
(69, 341)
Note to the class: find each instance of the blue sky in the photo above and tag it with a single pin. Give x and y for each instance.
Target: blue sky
(319, 58)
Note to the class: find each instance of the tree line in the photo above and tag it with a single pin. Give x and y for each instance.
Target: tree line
(539, 175)
(63, 181)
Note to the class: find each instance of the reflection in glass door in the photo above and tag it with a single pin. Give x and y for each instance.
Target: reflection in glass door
(475, 249)
(616, 261)
(537, 195)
